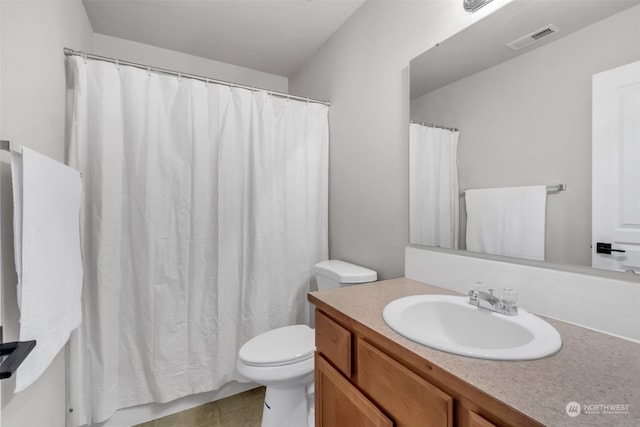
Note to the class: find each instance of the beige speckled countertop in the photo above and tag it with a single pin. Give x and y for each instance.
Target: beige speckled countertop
(591, 368)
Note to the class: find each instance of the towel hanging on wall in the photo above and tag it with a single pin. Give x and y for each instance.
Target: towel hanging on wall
(507, 221)
(47, 196)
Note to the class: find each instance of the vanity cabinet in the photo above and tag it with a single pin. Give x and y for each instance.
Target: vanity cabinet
(363, 381)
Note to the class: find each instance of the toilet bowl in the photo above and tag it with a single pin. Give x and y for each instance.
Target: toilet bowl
(282, 359)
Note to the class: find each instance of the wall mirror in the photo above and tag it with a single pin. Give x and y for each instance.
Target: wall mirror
(510, 102)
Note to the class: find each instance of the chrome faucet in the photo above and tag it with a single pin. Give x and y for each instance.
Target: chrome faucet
(491, 302)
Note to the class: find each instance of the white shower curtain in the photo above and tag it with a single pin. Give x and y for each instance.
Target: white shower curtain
(205, 211)
(433, 186)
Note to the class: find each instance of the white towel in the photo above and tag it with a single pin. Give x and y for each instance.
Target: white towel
(47, 196)
(507, 221)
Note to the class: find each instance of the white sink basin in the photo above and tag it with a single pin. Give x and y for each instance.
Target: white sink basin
(451, 324)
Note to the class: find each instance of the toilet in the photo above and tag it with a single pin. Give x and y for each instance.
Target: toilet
(282, 359)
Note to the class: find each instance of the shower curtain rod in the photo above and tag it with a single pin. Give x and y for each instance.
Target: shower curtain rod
(71, 52)
(431, 125)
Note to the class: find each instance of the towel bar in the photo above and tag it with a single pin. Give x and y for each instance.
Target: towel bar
(550, 188)
(13, 147)
(10, 146)
(16, 351)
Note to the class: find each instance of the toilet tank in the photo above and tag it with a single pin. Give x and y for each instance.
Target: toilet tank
(335, 273)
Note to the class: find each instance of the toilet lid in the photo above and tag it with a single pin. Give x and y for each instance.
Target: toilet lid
(277, 347)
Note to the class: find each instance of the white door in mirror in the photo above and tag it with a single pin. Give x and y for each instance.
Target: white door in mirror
(616, 175)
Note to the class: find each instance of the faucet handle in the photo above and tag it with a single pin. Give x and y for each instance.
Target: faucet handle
(508, 297)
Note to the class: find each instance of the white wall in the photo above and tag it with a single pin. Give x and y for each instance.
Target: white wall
(362, 70)
(600, 303)
(32, 99)
(528, 121)
(114, 47)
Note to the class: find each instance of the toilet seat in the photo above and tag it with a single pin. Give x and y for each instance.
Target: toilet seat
(279, 347)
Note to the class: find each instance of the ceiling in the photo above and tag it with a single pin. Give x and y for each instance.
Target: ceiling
(273, 36)
(483, 44)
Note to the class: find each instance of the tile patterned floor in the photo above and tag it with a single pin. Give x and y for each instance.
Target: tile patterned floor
(241, 410)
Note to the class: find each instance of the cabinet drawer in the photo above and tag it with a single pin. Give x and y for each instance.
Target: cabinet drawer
(334, 343)
(339, 403)
(407, 398)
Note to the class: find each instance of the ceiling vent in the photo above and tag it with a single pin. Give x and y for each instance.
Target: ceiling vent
(533, 37)
(473, 5)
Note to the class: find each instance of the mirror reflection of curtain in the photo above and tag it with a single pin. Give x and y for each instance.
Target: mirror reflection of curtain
(433, 186)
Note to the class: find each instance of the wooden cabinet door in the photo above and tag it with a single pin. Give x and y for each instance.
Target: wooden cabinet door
(340, 404)
(406, 397)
